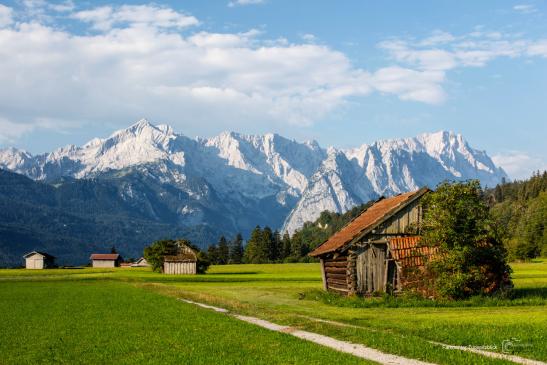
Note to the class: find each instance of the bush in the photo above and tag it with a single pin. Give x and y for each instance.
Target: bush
(471, 259)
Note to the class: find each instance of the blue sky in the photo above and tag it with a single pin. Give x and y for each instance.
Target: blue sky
(343, 73)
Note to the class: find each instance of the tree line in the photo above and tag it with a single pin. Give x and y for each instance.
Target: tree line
(520, 211)
(267, 246)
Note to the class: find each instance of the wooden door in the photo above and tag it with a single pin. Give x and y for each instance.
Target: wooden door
(371, 269)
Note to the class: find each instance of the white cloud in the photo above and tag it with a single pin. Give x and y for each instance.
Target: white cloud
(63, 7)
(245, 2)
(143, 60)
(519, 165)
(105, 17)
(139, 63)
(5, 16)
(525, 8)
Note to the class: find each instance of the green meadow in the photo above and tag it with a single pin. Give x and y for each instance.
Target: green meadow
(133, 315)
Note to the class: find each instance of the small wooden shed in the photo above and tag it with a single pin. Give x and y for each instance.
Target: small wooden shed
(106, 259)
(141, 263)
(184, 262)
(378, 251)
(37, 260)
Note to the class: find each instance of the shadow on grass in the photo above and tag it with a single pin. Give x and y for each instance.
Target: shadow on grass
(520, 297)
(235, 273)
(523, 293)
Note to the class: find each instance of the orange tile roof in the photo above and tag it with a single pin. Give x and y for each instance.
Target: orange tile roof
(369, 219)
(407, 252)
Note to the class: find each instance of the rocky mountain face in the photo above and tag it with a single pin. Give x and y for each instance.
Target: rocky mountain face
(233, 182)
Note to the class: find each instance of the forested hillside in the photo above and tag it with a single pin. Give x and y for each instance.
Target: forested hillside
(73, 218)
(520, 209)
(265, 245)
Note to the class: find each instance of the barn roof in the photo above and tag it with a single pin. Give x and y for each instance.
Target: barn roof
(105, 256)
(408, 253)
(181, 257)
(46, 255)
(375, 215)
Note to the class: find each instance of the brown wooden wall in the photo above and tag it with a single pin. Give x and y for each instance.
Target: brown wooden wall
(335, 274)
(404, 222)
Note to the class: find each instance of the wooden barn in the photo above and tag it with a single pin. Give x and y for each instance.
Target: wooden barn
(36, 260)
(106, 260)
(184, 262)
(378, 251)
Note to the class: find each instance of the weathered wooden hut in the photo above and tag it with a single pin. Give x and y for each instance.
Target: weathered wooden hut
(378, 251)
(106, 259)
(184, 262)
(37, 260)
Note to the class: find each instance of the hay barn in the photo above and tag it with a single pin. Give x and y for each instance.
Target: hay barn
(36, 260)
(105, 259)
(184, 262)
(378, 251)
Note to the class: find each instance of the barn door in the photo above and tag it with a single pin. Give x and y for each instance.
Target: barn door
(371, 269)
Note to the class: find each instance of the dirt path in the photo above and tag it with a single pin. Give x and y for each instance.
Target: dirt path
(495, 355)
(338, 345)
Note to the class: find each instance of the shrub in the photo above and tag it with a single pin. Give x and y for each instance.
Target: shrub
(471, 259)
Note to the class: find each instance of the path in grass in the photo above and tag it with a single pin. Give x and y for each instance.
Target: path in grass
(108, 322)
(403, 331)
(342, 346)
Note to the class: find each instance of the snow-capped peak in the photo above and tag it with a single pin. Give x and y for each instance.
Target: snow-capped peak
(268, 171)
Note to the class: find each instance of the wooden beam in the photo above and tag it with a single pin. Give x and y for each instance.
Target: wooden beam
(323, 274)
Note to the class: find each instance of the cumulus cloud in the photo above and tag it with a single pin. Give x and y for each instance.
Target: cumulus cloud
(519, 165)
(524, 8)
(105, 17)
(5, 16)
(156, 61)
(245, 2)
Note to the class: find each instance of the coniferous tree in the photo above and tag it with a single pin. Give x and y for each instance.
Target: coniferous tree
(256, 251)
(236, 250)
(223, 251)
(278, 246)
(212, 254)
(286, 246)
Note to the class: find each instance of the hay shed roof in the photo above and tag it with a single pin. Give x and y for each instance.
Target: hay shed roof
(372, 217)
(105, 256)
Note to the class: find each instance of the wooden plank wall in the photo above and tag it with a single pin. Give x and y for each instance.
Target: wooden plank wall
(179, 268)
(404, 221)
(336, 274)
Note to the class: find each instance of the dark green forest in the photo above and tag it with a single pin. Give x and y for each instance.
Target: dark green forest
(267, 246)
(519, 209)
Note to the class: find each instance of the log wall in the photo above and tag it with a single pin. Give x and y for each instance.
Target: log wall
(335, 276)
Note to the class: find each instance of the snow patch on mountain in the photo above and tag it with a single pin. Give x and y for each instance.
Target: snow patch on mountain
(247, 176)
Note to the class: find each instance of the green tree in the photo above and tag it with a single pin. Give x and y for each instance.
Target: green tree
(471, 259)
(155, 253)
(268, 244)
(286, 246)
(223, 251)
(236, 250)
(256, 251)
(213, 254)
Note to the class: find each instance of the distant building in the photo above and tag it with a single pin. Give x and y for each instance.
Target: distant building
(36, 260)
(379, 251)
(106, 259)
(141, 263)
(184, 262)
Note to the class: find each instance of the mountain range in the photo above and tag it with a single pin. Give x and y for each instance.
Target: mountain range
(229, 183)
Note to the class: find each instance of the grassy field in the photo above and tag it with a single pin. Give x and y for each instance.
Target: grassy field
(141, 304)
